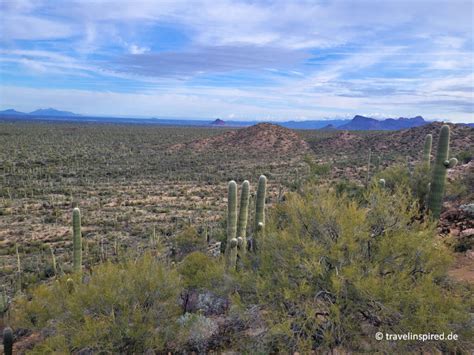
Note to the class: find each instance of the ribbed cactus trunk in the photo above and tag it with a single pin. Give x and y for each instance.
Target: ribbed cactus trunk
(231, 255)
(18, 270)
(8, 341)
(243, 217)
(427, 150)
(77, 240)
(260, 208)
(231, 214)
(441, 164)
(53, 261)
(368, 169)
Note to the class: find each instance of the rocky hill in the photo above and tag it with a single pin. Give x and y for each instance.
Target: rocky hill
(263, 137)
(404, 142)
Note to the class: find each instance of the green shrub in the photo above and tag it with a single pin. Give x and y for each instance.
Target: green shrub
(189, 241)
(465, 156)
(122, 308)
(200, 271)
(395, 175)
(332, 273)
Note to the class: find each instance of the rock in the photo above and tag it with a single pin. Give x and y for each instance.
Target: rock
(467, 233)
(199, 330)
(205, 302)
(455, 232)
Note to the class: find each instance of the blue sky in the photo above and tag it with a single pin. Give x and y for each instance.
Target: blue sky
(250, 60)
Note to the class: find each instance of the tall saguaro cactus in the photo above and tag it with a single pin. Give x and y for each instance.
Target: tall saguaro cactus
(368, 169)
(260, 206)
(77, 239)
(231, 214)
(427, 150)
(243, 216)
(441, 164)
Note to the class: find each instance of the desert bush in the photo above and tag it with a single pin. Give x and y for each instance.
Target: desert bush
(121, 308)
(395, 175)
(189, 241)
(201, 271)
(332, 272)
(465, 156)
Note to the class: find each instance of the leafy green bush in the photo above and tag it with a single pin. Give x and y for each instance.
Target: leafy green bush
(121, 308)
(200, 271)
(395, 175)
(332, 272)
(189, 241)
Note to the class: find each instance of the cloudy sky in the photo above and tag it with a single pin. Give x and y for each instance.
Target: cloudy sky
(240, 59)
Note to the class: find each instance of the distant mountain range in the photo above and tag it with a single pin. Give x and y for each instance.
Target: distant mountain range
(357, 123)
(362, 123)
(49, 112)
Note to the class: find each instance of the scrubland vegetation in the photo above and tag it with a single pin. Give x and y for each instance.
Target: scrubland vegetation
(310, 260)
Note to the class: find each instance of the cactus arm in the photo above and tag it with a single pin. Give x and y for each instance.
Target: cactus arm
(382, 183)
(260, 208)
(243, 217)
(231, 213)
(452, 163)
(77, 240)
(427, 150)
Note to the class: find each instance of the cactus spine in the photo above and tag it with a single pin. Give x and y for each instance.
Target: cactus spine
(243, 217)
(231, 214)
(77, 240)
(427, 150)
(8, 341)
(441, 164)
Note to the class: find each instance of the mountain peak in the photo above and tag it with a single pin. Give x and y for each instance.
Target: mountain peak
(11, 112)
(218, 122)
(52, 112)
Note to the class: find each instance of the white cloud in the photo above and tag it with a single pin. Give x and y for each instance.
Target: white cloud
(134, 49)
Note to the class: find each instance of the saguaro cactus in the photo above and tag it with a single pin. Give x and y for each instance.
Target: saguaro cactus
(77, 239)
(70, 285)
(427, 150)
(382, 183)
(243, 216)
(231, 213)
(18, 270)
(231, 255)
(53, 261)
(368, 169)
(8, 341)
(260, 207)
(441, 164)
